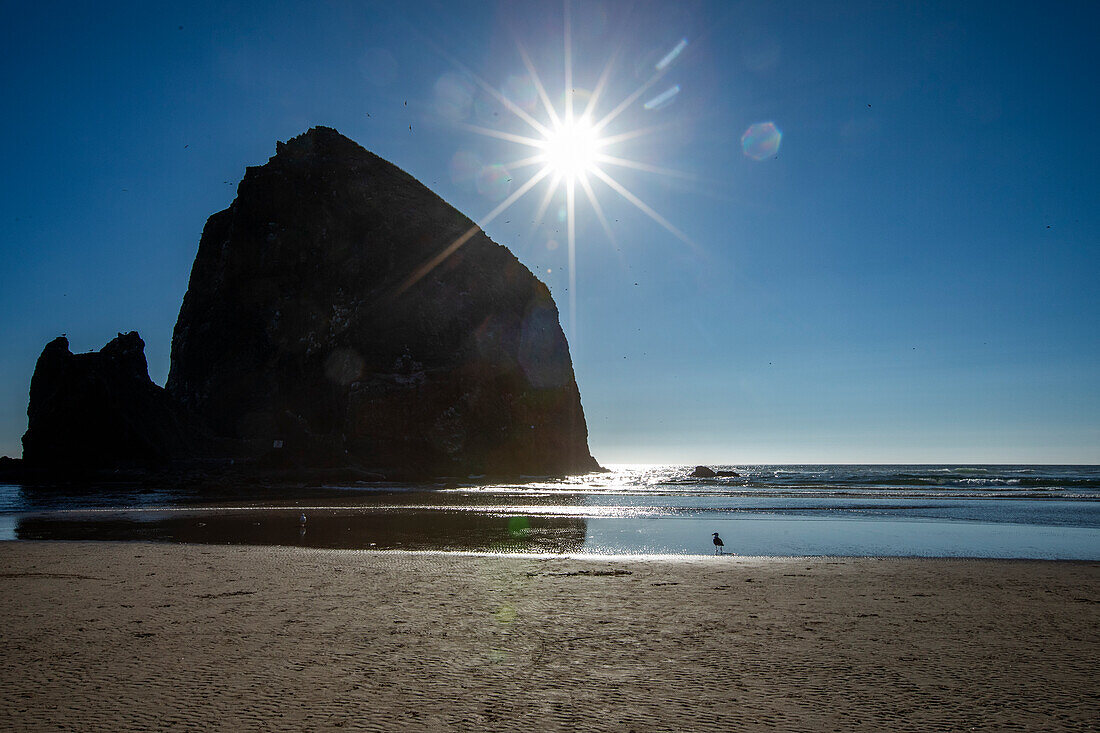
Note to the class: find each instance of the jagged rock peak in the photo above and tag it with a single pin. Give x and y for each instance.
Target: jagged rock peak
(101, 410)
(318, 145)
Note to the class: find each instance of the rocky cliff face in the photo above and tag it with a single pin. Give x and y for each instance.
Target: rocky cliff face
(322, 324)
(101, 410)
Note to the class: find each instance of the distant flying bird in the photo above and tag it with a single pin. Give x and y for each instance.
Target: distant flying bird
(718, 544)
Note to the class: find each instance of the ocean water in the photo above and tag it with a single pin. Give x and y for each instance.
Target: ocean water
(1026, 511)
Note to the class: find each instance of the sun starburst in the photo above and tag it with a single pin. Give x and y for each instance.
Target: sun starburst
(568, 149)
(571, 148)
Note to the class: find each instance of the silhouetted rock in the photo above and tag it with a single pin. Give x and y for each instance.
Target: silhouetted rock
(10, 468)
(324, 325)
(101, 410)
(341, 321)
(703, 472)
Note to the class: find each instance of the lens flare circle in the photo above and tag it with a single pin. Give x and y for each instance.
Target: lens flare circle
(761, 140)
(571, 148)
(494, 182)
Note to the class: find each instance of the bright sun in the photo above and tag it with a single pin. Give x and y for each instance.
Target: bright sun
(570, 149)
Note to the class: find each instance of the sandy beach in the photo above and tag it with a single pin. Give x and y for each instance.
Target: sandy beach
(127, 636)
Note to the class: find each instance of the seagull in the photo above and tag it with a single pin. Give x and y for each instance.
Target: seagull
(718, 544)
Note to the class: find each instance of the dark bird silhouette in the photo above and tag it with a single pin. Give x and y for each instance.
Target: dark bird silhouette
(718, 544)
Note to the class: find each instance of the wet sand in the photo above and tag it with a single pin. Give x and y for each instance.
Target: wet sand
(126, 636)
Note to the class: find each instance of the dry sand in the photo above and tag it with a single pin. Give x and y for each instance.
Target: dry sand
(103, 636)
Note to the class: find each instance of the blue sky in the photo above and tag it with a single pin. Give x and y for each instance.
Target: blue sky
(911, 278)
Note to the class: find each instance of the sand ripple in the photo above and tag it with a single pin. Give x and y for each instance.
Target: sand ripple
(136, 636)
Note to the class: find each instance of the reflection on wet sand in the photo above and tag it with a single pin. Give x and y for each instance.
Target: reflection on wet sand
(324, 528)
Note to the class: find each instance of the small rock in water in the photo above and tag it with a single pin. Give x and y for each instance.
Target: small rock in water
(707, 472)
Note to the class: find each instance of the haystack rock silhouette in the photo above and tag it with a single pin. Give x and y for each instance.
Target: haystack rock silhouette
(339, 313)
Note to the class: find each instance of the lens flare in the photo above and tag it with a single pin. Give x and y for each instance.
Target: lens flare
(494, 182)
(671, 55)
(464, 169)
(663, 99)
(761, 140)
(454, 97)
(521, 91)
